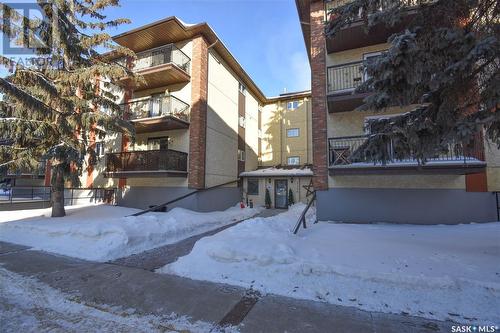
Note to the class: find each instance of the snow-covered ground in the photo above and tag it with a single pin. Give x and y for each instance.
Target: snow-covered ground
(436, 272)
(27, 305)
(103, 232)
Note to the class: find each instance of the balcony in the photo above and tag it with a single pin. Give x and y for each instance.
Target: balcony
(147, 163)
(158, 113)
(458, 160)
(354, 35)
(342, 80)
(160, 67)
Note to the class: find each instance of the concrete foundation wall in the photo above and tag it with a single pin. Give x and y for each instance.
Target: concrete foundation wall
(416, 206)
(212, 200)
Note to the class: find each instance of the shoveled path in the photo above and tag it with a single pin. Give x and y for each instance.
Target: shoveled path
(163, 255)
(160, 294)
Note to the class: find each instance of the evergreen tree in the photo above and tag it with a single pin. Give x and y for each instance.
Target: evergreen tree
(268, 199)
(445, 65)
(291, 199)
(51, 109)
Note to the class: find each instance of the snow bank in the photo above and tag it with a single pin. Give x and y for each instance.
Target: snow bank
(30, 306)
(102, 232)
(440, 272)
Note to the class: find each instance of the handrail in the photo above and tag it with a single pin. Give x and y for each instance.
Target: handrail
(302, 218)
(180, 198)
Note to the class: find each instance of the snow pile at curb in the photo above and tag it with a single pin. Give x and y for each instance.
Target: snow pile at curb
(102, 232)
(29, 305)
(439, 272)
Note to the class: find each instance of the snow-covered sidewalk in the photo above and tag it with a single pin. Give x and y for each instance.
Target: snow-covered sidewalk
(27, 305)
(103, 232)
(440, 272)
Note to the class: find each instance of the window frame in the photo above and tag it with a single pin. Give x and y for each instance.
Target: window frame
(256, 188)
(296, 103)
(241, 155)
(293, 157)
(293, 129)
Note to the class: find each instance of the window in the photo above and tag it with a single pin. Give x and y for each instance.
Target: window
(105, 109)
(253, 186)
(293, 160)
(242, 88)
(160, 143)
(241, 155)
(99, 149)
(367, 58)
(292, 132)
(242, 121)
(292, 105)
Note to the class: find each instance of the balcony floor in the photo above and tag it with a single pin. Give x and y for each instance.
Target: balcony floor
(159, 76)
(344, 101)
(457, 167)
(161, 123)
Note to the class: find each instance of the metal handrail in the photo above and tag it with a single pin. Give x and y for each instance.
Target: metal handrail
(302, 218)
(164, 205)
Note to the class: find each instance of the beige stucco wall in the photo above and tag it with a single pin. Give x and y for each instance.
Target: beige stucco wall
(251, 132)
(299, 192)
(276, 120)
(222, 123)
(492, 156)
(352, 55)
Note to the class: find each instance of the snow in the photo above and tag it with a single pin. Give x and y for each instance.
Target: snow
(103, 232)
(269, 172)
(439, 272)
(27, 305)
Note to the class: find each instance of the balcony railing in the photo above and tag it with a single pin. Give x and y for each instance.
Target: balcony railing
(343, 151)
(157, 107)
(345, 77)
(147, 161)
(162, 55)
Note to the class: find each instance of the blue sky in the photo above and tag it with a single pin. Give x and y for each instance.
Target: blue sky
(263, 35)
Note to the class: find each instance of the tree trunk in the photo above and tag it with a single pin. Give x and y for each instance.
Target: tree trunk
(58, 193)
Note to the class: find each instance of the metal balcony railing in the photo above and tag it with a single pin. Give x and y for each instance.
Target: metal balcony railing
(345, 77)
(147, 160)
(162, 55)
(343, 151)
(157, 106)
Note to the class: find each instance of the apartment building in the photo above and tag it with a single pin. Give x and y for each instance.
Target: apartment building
(196, 116)
(452, 188)
(285, 154)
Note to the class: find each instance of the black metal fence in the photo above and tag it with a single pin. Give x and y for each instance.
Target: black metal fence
(346, 151)
(72, 196)
(147, 160)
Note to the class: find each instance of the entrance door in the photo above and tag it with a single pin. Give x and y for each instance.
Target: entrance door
(281, 193)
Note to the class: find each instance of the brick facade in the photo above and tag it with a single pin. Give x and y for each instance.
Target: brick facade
(198, 126)
(318, 91)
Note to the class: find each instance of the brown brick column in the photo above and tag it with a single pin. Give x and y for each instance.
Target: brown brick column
(318, 90)
(198, 126)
